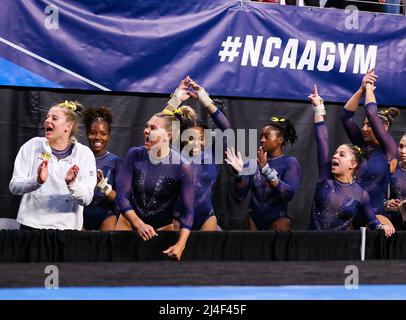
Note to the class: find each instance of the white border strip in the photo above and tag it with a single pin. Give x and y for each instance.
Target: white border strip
(363, 241)
(57, 66)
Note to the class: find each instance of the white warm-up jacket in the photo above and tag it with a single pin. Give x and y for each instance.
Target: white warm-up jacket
(52, 205)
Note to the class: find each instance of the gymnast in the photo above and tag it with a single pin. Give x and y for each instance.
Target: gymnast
(275, 180)
(377, 145)
(396, 205)
(204, 168)
(338, 197)
(153, 177)
(55, 174)
(100, 214)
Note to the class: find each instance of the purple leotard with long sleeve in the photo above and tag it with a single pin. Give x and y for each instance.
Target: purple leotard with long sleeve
(204, 176)
(335, 203)
(151, 190)
(398, 183)
(374, 174)
(269, 204)
(100, 208)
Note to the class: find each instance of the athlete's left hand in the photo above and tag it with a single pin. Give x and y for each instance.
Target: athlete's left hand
(100, 175)
(175, 251)
(72, 174)
(389, 230)
(262, 158)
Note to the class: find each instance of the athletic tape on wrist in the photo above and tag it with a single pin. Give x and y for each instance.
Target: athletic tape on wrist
(175, 101)
(104, 186)
(204, 98)
(270, 173)
(319, 110)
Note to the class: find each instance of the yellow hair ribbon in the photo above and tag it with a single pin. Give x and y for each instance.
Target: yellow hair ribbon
(358, 149)
(275, 119)
(68, 104)
(172, 113)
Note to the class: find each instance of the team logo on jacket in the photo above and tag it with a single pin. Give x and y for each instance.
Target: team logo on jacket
(45, 156)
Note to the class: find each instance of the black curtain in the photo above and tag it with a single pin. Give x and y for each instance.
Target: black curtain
(363, 5)
(120, 246)
(23, 113)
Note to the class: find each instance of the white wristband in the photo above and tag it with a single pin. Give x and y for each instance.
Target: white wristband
(319, 110)
(175, 101)
(270, 174)
(105, 187)
(380, 226)
(204, 98)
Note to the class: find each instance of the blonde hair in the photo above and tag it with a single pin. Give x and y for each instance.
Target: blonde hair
(72, 111)
(184, 114)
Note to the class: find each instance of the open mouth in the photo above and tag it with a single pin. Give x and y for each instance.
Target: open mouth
(48, 129)
(334, 163)
(97, 144)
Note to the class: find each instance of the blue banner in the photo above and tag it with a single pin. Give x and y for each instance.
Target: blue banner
(233, 48)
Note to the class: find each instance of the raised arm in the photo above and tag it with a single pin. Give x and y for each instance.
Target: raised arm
(179, 95)
(378, 128)
(347, 113)
(323, 160)
(321, 133)
(351, 128)
(199, 93)
(218, 117)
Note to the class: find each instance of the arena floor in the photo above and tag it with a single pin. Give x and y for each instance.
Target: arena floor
(378, 279)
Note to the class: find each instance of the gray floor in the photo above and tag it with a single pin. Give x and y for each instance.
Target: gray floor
(203, 273)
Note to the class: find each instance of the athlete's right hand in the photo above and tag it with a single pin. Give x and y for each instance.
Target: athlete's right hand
(388, 230)
(182, 89)
(146, 232)
(314, 97)
(42, 172)
(369, 80)
(234, 160)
